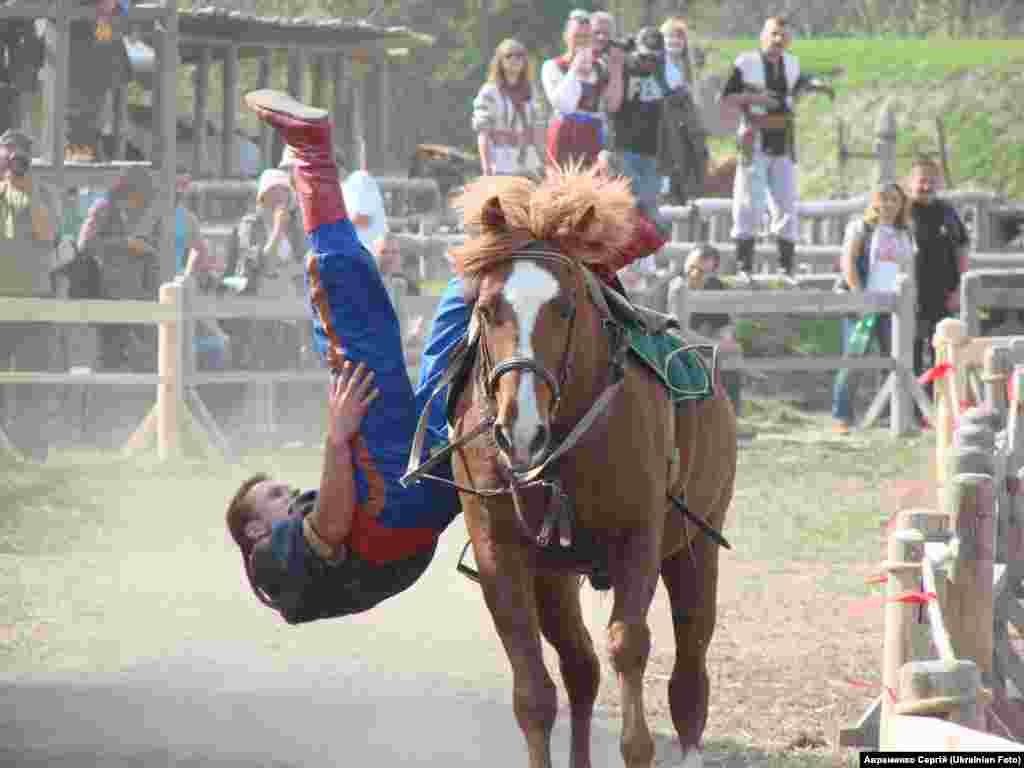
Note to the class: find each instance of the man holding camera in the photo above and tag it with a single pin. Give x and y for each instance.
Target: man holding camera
(637, 121)
(761, 87)
(26, 263)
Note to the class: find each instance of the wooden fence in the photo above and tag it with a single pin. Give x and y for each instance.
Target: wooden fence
(953, 575)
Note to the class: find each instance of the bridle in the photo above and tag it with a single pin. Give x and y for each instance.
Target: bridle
(489, 374)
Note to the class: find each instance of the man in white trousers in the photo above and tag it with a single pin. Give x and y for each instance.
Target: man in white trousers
(761, 86)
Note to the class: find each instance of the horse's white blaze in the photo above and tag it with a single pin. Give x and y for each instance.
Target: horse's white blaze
(528, 288)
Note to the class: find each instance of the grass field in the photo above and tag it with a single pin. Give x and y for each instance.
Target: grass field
(974, 85)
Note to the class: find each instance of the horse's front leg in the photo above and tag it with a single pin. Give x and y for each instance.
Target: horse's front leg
(507, 582)
(635, 568)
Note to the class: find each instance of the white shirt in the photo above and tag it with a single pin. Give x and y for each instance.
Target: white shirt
(891, 254)
(362, 196)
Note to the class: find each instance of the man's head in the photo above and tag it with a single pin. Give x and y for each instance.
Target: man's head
(388, 252)
(700, 262)
(602, 27)
(578, 31)
(775, 36)
(925, 179)
(258, 503)
(15, 152)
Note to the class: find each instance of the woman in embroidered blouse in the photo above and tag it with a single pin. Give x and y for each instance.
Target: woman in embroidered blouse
(506, 116)
(575, 84)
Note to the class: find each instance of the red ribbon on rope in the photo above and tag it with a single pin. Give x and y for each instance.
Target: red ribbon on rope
(933, 374)
(861, 607)
(879, 579)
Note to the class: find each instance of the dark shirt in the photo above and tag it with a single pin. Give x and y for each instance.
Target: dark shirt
(773, 142)
(716, 321)
(638, 120)
(304, 587)
(938, 234)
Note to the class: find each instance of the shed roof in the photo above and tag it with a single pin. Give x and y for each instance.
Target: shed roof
(216, 26)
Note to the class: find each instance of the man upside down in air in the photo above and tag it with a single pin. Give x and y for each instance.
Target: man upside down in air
(361, 537)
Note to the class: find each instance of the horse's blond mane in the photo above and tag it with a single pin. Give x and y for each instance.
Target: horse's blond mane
(553, 210)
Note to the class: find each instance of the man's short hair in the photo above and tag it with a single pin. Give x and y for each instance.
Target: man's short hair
(240, 512)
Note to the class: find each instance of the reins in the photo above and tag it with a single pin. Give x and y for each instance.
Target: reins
(559, 511)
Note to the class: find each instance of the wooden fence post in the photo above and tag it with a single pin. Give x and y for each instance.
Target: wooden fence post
(904, 323)
(949, 334)
(969, 285)
(997, 367)
(885, 142)
(970, 504)
(170, 364)
(903, 565)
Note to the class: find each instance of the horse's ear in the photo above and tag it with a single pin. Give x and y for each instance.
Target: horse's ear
(492, 217)
(586, 221)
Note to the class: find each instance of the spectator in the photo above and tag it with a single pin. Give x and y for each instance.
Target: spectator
(506, 116)
(637, 117)
(270, 264)
(387, 251)
(271, 243)
(21, 58)
(682, 145)
(26, 261)
(940, 256)
(877, 249)
(761, 86)
(189, 245)
(702, 265)
(575, 85)
(120, 233)
(98, 63)
(603, 28)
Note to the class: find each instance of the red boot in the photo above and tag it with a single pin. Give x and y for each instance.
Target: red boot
(307, 130)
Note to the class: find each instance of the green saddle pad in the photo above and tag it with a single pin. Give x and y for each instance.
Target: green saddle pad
(683, 374)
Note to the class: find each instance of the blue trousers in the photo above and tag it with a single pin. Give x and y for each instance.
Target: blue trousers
(844, 388)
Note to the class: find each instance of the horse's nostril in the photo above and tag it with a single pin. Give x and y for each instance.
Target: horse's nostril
(502, 440)
(539, 443)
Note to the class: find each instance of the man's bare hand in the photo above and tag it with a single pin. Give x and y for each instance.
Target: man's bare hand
(350, 398)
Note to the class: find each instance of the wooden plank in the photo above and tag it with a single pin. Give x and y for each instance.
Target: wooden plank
(321, 376)
(142, 436)
(57, 110)
(168, 139)
(84, 174)
(929, 734)
(880, 402)
(30, 10)
(213, 431)
(229, 114)
(105, 379)
(797, 363)
(266, 132)
(18, 310)
(206, 307)
(200, 113)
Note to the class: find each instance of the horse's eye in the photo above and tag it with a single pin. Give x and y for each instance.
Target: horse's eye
(564, 308)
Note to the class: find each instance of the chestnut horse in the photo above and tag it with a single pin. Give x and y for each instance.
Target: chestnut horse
(566, 421)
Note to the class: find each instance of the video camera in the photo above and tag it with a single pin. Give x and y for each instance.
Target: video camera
(644, 49)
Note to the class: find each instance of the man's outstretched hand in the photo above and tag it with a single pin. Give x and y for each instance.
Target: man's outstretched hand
(351, 393)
